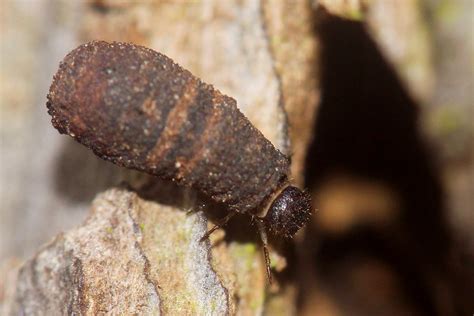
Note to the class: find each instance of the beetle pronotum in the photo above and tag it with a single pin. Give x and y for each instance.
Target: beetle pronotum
(138, 109)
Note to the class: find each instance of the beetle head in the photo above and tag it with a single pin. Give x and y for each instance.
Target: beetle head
(290, 211)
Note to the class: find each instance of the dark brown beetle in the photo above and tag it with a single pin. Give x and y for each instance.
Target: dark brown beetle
(138, 109)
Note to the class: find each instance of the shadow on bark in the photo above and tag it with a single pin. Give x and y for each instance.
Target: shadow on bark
(367, 130)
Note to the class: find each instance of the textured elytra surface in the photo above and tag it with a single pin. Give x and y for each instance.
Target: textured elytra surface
(138, 109)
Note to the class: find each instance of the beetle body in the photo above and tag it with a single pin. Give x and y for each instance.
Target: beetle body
(137, 108)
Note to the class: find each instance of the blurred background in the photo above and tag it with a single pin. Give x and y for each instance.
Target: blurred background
(382, 136)
(391, 236)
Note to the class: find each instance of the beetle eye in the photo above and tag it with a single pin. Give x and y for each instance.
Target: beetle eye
(290, 211)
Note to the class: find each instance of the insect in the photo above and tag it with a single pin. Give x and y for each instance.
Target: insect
(138, 109)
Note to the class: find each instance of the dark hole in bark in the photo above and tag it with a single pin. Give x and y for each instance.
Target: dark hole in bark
(367, 127)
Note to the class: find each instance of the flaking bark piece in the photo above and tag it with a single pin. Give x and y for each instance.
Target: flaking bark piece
(123, 260)
(137, 108)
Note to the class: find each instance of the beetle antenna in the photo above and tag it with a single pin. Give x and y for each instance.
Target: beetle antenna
(263, 236)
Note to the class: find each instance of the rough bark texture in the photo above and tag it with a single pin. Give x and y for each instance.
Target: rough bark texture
(290, 29)
(134, 254)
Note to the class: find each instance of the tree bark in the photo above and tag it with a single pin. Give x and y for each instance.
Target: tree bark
(142, 253)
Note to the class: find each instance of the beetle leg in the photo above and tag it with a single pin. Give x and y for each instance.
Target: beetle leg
(263, 236)
(195, 209)
(220, 224)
